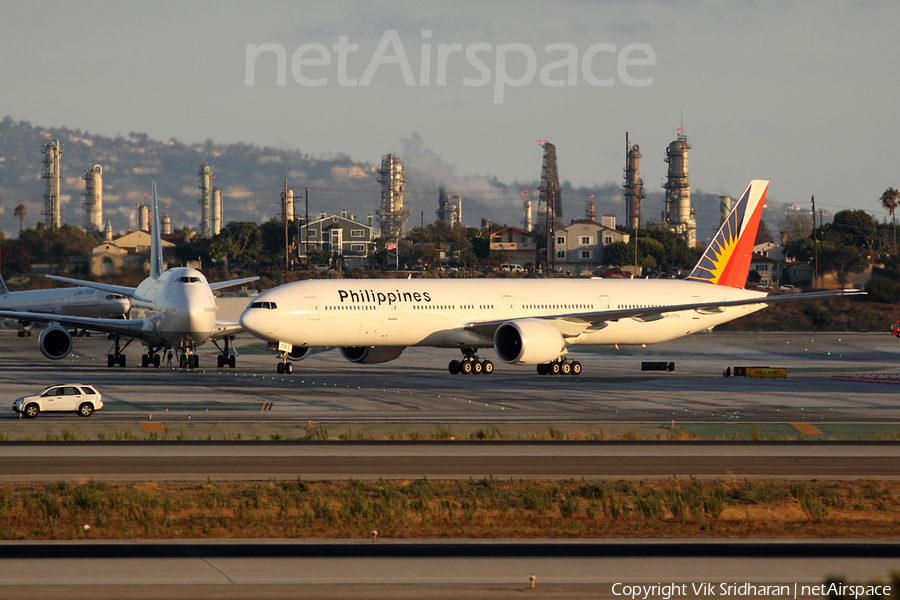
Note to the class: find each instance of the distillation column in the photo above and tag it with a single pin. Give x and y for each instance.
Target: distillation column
(679, 217)
(205, 201)
(392, 215)
(216, 211)
(93, 198)
(50, 172)
(634, 185)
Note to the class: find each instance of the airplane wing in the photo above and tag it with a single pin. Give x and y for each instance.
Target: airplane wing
(226, 328)
(224, 284)
(125, 327)
(574, 324)
(103, 287)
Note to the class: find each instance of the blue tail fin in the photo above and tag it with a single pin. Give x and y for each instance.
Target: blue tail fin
(156, 258)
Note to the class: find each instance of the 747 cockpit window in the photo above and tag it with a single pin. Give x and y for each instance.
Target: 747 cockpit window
(190, 279)
(269, 305)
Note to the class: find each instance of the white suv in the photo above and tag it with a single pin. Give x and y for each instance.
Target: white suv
(68, 397)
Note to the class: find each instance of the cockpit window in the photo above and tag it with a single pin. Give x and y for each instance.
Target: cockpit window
(268, 305)
(190, 279)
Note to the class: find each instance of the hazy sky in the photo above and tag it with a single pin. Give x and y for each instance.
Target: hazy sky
(802, 93)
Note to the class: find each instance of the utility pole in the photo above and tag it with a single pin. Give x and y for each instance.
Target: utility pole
(815, 243)
(306, 223)
(549, 203)
(634, 273)
(284, 213)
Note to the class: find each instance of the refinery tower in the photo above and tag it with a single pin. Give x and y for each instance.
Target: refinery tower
(50, 172)
(392, 215)
(93, 198)
(634, 185)
(550, 192)
(679, 216)
(449, 208)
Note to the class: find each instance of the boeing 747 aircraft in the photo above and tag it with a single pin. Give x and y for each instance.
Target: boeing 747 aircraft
(174, 309)
(526, 321)
(78, 301)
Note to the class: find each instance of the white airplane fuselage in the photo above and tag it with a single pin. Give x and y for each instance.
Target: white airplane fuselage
(76, 302)
(435, 312)
(180, 306)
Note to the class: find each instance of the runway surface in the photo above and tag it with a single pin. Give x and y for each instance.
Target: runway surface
(439, 460)
(418, 388)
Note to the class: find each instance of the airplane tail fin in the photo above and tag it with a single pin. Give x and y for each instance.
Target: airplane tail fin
(156, 259)
(3, 290)
(727, 258)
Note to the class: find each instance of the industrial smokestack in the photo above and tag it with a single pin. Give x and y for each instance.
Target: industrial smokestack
(50, 172)
(206, 228)
(93, 198)
(216, 211)
(634, 185)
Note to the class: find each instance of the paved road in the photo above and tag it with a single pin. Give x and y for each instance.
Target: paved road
(580, 569)
(436, 460)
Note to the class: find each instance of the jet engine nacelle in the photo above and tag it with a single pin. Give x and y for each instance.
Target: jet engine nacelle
(370, 355)
(528, 342)
(55, 342)
(298, 353)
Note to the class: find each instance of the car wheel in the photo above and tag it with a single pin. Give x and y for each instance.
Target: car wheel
(86, 410)
(32, 410)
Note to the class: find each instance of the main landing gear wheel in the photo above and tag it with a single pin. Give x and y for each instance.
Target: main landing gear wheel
(114, 354)
(470, 364)
(558, 367)
(195, 361)
(182, 361)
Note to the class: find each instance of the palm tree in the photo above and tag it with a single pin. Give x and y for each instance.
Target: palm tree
(21, 212)
(890, 200)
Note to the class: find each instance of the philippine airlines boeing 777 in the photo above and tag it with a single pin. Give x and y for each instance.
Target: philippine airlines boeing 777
(176, 309)
(79, 302)
(526, 321)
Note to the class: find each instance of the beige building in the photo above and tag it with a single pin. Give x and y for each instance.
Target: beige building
(578, 247)
(517, 244)
(131, 250)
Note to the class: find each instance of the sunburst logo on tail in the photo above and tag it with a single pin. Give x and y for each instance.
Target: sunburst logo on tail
(727, 258)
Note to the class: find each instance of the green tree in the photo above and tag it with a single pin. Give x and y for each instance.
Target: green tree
(463, 252)
(618, 254)
(890, 200)
(800, 249)
(841, 261)
(763, 234)
(20, 212)
(239, 241)
(15, 258)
